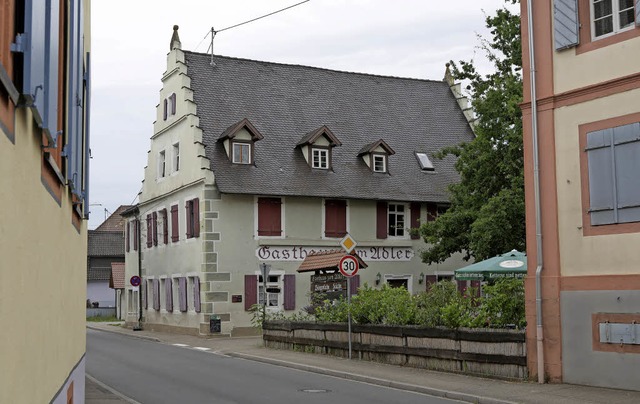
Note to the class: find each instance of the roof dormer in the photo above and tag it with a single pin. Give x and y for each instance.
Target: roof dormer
(376, 156)
(239, 140)
(316, 147)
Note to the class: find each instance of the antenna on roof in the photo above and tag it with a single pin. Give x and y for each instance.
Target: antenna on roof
(213, 35)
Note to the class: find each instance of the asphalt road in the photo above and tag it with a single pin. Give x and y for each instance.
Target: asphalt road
(155, 373)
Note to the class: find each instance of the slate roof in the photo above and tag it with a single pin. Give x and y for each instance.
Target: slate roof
(286, 102)
(325, 260)
(98, 274)
(116, 281)
(105, 244)
(114, 222)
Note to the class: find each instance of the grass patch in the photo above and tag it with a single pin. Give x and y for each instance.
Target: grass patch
(103, 319)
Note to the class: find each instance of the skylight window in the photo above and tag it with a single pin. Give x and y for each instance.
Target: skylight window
(425, 163)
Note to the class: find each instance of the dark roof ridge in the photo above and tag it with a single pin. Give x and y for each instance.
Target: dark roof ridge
(316, 68)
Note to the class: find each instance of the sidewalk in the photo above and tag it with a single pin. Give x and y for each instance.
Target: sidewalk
(450, 385)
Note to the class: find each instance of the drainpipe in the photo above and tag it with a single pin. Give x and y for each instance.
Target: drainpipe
(536, 186)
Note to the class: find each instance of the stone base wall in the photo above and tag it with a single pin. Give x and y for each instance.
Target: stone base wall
(483, 352)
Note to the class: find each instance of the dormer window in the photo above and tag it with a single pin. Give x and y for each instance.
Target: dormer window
(316, 147)
(425, 163)
(239, 141)
(376, 156)
(320, 158)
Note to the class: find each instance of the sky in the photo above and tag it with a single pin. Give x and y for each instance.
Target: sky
(130, 42)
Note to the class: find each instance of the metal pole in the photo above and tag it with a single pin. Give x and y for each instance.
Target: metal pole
(349, 311)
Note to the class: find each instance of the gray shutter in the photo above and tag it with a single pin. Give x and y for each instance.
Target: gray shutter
(146, 295)
(196, 294)
(169, 294)
(182, 292)
(627, 172)
(601, 177)
(637, 12)
(565, 23)
(74, 150)
(156, 294)
(52, 35)
(289, 292)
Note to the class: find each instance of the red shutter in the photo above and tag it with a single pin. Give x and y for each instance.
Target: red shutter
(182, 292)
(126, 242)
(289, 292)
(432, 212)
(196, 293)
(164, 116)
(335, 218)
(355, 284)
(381, 220)
(169, 293)
(149, 235)
(188, 214)
(196, 217)
(175, 235)
(430, 280)
(415, 219)
(165, 227)
(155, 228)
(269, 217)
(250, 291)
(156, 294)
(136, 232)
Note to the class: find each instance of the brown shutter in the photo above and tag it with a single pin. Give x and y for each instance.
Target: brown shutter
(126, 242)
(154, 222)
(476, 285)
(189, 215)
(196, 293)
(381, 220)
(156, 294)
(165, 227)
(355, 284)
(335, 218)
(462, 285)
(432, 212)
(169, 293)
(289, 292)
(415, 219)
(250, 291)
(175, 235)
(164, 116)
(269, 217)
(430, 280)
(149, 235)
(196, 217)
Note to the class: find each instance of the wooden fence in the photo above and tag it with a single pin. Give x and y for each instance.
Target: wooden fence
(485, 352)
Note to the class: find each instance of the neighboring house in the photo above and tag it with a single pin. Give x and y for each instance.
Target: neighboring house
(116, 282)
(255, 162)
(44, 161)
(588, 118)
(106, 246)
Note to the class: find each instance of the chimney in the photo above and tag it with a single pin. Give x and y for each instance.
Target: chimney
(175, 39)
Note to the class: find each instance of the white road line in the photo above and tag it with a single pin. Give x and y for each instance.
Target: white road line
(180, 345)
(200, 348)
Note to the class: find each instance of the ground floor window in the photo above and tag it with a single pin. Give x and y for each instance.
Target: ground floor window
(274, 291)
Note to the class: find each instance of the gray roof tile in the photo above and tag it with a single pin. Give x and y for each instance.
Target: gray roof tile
(285, 102)
(105, 244)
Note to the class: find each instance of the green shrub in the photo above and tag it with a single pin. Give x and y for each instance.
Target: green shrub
(503, 303)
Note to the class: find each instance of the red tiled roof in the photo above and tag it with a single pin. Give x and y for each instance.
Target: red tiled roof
(117, 275)
(325, 260)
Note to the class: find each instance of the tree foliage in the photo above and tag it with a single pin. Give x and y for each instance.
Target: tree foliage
(486, 216)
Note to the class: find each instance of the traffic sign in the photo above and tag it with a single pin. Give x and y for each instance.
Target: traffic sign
(348, 243)
(348, 266)
(135, 280)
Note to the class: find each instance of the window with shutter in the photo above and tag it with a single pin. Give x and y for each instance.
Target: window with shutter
(289, 292)
(193, 217)
(397, 220)
(269, 217)
(168, 294)
(156, 294)
(335, 218)
(175, 235)
(196, 293)
(182, 293)
(136, 234)
(250, 291)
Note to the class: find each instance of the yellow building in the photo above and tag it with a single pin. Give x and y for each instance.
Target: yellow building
(585, 65)
(44, 119)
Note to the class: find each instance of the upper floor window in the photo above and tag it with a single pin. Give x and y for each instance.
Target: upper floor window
(396, 220)
(176, 157)
(379, 163)
(241, 152)
(169, 106)
(611, 16)
(269, 217)
(376, 156)
(320, 158)
(162, 165)
(335, 218)
(425, 162)
(192, 211)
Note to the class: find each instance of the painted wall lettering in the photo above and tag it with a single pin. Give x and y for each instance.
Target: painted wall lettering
(297, 253)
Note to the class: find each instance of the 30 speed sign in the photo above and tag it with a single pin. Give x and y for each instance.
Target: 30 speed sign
(348, 266)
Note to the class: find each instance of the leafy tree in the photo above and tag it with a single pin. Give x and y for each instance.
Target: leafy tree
(486, 216)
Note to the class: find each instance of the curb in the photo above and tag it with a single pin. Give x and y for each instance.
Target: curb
(454, 395)
(127, 334)
(111, 390)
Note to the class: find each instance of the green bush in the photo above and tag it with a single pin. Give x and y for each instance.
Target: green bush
(503, 304)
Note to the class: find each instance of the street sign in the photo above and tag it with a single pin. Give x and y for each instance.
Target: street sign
(135, 280)
(348, 265)
(348, 243)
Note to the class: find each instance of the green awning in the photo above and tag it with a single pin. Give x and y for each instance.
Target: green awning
(510, 265)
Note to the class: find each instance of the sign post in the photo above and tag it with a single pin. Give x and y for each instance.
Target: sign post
(264, 269)
(348, 267)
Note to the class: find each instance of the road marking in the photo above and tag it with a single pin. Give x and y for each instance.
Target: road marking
(180, 345)
(200, 348)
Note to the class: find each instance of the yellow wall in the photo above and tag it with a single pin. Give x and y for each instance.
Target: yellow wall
(573, 71)
(593, 255)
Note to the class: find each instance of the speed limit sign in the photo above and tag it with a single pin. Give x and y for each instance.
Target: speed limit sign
(348, 266)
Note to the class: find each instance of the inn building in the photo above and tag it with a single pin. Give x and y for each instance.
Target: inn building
(255, 162)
